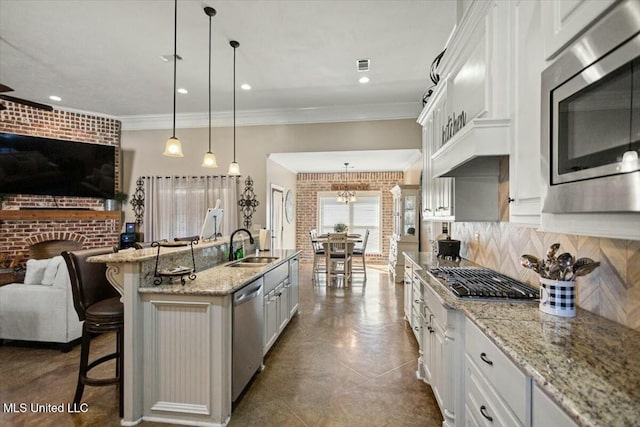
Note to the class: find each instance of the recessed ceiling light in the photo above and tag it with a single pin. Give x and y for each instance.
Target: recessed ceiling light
(364, 79)
(245, 86)
(183, 91)
(55, 98)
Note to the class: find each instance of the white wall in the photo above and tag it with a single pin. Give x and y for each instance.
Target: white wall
(142, 150)
(277, 175)
(413, 173)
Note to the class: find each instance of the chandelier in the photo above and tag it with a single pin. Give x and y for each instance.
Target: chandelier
(346, 196)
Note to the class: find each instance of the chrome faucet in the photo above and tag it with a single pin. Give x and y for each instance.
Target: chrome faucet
(232, 253)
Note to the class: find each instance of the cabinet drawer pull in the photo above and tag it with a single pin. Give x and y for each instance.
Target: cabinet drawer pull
(483, 411)
(483, 356)
(430, 329)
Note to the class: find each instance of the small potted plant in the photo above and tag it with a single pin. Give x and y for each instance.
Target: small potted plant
(119, 199)
(340, 228)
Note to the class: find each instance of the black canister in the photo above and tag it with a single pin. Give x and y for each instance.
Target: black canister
(449, 248)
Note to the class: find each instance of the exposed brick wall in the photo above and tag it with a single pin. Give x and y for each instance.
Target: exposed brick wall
(17, 235)
(309, 184)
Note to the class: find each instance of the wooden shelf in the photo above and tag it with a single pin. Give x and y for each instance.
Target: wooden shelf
(58, 214)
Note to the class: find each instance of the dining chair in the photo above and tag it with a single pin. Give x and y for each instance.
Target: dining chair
(339, 253)
(319, 265)
(359, 253)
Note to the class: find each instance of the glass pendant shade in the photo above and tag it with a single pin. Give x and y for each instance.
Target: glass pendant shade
(173, 147)
(209, 160)
(234, 169)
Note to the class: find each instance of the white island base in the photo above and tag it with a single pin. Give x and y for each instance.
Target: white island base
(178, 339)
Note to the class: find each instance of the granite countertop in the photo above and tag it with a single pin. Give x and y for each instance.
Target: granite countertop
(136, 255)
(587, 364)
(221, 280)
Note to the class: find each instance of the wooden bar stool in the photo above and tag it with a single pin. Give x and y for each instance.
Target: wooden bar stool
(98, 304)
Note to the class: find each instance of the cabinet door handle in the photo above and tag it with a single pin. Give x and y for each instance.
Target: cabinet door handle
(483, 411)
(483, 356)
(431, 330)
(417, 328)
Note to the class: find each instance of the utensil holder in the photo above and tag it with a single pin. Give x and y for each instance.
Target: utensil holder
(558, 297)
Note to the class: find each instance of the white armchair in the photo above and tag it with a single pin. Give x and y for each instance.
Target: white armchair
(41, 309)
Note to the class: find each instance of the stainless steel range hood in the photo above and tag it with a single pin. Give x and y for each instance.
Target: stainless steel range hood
(474, 150)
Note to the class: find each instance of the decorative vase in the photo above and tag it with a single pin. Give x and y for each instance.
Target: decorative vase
(558, 297)
(111, 205)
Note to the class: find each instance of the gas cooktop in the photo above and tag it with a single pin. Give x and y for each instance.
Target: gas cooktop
(483, 283)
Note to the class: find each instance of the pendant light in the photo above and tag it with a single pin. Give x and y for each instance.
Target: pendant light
(234, 167)
(346, 196)
(209, 159)
(173, 147)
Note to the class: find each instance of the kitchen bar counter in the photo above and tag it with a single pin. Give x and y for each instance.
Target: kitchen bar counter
(178, 338)
(215, 280)
(588, 365)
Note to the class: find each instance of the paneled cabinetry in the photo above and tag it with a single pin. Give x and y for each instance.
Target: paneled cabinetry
(437, 330)
(406, 202)
(496, 390)
(526, 66)
(563, 20)
(281, 300)
(465, 122)
(545, 412)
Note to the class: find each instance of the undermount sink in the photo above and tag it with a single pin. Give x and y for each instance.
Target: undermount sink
(255, 261)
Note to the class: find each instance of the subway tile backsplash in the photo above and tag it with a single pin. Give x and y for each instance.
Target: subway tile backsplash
(611, 291)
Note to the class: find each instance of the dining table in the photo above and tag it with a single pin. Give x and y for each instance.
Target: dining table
(352, 240)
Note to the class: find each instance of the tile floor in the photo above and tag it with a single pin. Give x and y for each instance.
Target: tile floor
(347, 359)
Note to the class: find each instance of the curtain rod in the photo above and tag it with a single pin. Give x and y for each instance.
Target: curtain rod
(185, 177)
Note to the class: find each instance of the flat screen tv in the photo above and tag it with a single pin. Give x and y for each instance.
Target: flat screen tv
(54, 167)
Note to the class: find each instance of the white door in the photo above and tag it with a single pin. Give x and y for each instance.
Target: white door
(276, 223)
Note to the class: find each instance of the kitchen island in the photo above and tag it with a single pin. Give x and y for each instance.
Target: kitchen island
(587, 366)
(178, 338)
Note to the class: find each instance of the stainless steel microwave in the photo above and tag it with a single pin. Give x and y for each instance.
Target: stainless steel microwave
(591, 118)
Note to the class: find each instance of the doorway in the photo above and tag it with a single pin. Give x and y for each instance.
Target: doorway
(276, 220)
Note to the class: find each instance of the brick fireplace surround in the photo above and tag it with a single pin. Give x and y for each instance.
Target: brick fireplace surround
(17, 235)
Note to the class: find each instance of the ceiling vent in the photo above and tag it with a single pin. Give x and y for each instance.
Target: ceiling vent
(363, 65)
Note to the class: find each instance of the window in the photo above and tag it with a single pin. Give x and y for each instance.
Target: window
(176, 206)
(359, 216)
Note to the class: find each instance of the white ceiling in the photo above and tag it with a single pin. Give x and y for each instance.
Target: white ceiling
(103, 56)
(333, 161)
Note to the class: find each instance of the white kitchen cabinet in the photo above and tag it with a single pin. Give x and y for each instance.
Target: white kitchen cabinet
(527, 63)
(545, 412)
(440, 342)
(408, 288)
(564, 20)
(280, 298)
(437, 193)
(270, 320)
(406, 205)
(294, 285)
(283, 304)
(495, 387)
(467, 119)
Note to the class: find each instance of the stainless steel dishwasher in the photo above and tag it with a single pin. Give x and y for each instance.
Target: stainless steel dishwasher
(248, 327)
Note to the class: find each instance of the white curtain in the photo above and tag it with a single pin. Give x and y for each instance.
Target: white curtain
(176, 206)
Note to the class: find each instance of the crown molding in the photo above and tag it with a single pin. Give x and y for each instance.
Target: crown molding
(345, 113)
